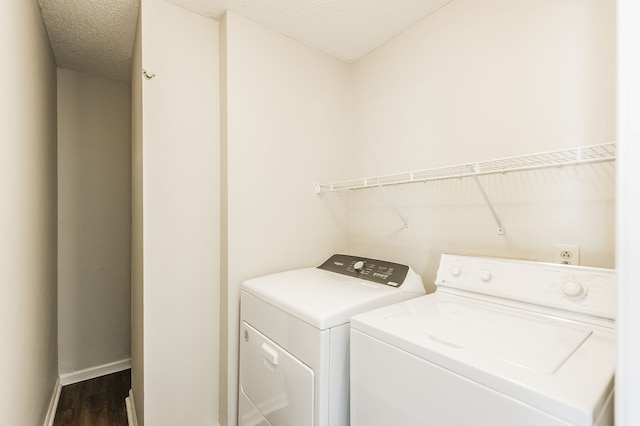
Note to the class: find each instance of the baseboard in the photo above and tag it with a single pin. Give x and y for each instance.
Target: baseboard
(53, 404)
(132, 417)
(93, 372)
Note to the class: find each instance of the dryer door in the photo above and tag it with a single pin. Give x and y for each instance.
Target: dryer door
(276, 383)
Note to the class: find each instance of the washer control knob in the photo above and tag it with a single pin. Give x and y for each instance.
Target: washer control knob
(358, 266)
(455, 271)
(485, 276)
(573, 290)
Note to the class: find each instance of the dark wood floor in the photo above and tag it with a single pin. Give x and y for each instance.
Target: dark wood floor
(95, 402)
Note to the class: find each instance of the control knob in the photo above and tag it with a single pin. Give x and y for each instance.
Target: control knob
(485, 276)
(359, 266)
(573, 290)
(455, 271)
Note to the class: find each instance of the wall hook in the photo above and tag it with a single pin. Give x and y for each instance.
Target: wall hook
(147, 75)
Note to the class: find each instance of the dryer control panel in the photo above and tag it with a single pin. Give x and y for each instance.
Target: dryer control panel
(378, 271)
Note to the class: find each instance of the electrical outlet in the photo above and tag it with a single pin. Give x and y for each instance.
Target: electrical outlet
(567, 254)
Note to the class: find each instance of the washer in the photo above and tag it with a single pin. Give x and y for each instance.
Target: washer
(294, 337)
(500, 343)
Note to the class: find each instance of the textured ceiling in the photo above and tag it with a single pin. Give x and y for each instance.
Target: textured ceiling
(96, 36)
(92, 36)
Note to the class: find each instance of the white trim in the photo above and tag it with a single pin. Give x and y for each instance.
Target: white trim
(53, 404)
(132, 417)
(93, 372)
(627, 384)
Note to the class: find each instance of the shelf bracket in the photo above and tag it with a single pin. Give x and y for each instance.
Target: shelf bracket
(393, 205)
(489, 204)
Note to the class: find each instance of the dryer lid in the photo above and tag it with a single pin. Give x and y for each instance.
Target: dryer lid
(326, 299)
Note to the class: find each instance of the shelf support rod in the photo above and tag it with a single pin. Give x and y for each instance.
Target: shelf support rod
(393, 205)
(489, 204)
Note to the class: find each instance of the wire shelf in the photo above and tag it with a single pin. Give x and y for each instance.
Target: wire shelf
(565, 157)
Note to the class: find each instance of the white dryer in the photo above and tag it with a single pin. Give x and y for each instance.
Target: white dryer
(294, 337)
(500, 343)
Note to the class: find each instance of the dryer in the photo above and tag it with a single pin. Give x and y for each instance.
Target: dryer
(294, 337)
(501, 343)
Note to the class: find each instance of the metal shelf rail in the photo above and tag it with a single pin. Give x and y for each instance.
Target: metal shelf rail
(565, 157)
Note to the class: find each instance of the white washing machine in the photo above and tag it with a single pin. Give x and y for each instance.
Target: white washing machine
(294, 337)
(500, 343)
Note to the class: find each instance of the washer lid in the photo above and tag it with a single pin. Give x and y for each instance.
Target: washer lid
(325, 299)
(511, 337)
(561, 366)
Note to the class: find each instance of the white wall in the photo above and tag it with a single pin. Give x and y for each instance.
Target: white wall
(628, 211)
(28, 330)
(477, 81)
(137, 238)
(286, 113)
(94, 221)
(176, 174)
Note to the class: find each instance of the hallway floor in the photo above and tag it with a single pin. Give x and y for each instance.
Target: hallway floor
(95, 402)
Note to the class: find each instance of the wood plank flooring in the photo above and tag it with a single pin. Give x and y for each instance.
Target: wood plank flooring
(95, 402)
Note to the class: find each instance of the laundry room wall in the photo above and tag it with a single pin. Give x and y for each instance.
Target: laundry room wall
(137, 237)
(286, 124)
(176, 218)
(478, 81)
(627, 386)
(94, 224)
(28, 326)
